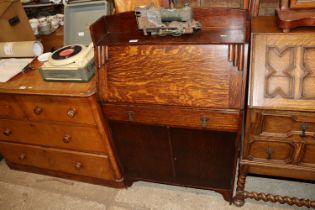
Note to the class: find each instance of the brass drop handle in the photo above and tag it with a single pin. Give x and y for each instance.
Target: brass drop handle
(38, 110)
(7, 132)
(66, 139)
(269, 153)
(78, 165)
(71, 112)
(131, 115)
(304, 127)
(22, 156)
(204, 121)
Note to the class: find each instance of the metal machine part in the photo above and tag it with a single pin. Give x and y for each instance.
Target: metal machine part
(160, 21)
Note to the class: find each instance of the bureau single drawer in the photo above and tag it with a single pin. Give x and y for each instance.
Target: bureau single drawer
(83, 164)
(175, 116)
(283, 124)
(271, 151)
(83, 138)
(55, 108)
(9, 107)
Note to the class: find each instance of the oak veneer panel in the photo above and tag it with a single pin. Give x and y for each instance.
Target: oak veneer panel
(81, 138)
(185, 75)
(84, 164)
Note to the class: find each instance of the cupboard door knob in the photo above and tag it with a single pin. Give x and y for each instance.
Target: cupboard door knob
(22, 156)
(131, 116)
(38, 110)
(204, 121)
(269, 153)
(71, 113)
(7, 132)
(78, 165)
(304, 127)
(66, 139)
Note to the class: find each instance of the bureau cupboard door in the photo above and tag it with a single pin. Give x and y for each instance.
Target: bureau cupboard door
(204, 158)
(143, 150)
(283, 71)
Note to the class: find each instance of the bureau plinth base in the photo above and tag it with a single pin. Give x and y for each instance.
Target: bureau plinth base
(289, 19)
(226, 194)
(114, 184)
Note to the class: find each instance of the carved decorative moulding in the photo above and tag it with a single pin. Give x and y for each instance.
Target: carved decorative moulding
(295, 13)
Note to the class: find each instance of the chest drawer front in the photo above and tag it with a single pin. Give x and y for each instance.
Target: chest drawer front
(186, 75)
(55, 135)
(271, 151)
(175, 116)
(308, 155)
(9, 107)
(283, 124)
(57, 109)
(59, 160)
(282, 71)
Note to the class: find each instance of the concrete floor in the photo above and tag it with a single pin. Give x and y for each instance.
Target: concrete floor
(20, 190)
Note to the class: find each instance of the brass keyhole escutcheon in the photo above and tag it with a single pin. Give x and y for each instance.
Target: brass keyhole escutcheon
(269, 153)
(204, 121)
(304, 127)
(131, 115)
(7, 132)
(78, 165)
(22, 156)
(66, 139)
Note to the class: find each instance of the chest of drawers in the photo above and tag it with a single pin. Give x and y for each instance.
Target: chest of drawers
(56, 129)
(279, 138)
(175, 104)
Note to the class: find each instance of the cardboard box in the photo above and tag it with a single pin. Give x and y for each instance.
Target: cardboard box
(14, 24)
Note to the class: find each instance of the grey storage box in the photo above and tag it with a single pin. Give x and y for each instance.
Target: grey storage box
(78, 18)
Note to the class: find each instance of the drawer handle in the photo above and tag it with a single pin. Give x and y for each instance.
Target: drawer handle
(131, 116)
(38, 110)
(304, 127)
(269, 153)
(204, 121)
(71, 113)
(66, 139)
(22, 156)
(78, 165)
(7, 132)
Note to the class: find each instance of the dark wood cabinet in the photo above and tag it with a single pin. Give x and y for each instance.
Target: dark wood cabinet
(175, 104)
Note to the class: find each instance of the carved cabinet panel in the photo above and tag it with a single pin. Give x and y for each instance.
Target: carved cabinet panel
(283, 71)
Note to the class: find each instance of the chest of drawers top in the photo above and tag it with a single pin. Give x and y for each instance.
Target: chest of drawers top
(32, 83)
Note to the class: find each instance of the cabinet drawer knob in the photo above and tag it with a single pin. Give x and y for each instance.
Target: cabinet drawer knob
(269, 153)
(22, 156)
(71, 113)
(78, 165)
(131, 115)
(304, 127)
(38, 110)
(204, 121)
(66, 139)
(7, 132)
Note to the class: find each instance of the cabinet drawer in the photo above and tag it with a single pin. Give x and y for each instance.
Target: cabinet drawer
(9, 108)
(59, 160)
(271, 151)
(175, 116)
(82, 138)
(57, 109)
(283, 124)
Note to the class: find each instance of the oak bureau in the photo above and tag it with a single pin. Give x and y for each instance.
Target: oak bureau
(279, 138)
(174, 105)
(56, 128)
